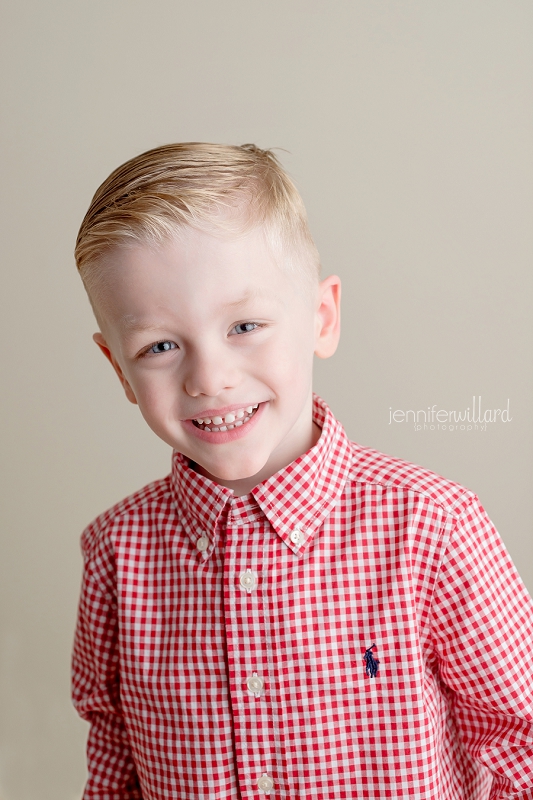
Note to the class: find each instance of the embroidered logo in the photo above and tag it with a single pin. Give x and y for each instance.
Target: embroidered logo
(372, 664)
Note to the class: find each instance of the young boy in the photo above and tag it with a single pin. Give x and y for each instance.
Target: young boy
(287, 613)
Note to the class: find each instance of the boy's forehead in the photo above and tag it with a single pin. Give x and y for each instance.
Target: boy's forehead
(136, 311)
(197, 255)
(197, 250)
(196, 270)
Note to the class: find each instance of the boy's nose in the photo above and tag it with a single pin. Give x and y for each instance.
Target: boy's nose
(209, 374)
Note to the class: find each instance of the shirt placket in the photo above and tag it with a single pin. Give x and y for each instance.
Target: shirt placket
(246, 621)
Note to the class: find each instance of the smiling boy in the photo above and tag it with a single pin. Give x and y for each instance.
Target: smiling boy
(287, 613)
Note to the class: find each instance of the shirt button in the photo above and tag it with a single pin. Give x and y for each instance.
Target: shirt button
(255, 683)
(248, 580)
(296, 534)
(265, 783)
(202, 544)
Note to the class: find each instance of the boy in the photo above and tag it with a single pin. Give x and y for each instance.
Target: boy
(287, 613)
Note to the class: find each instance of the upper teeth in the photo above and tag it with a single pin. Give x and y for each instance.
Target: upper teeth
(228, 418)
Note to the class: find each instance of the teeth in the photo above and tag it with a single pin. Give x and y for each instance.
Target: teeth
(231, 420)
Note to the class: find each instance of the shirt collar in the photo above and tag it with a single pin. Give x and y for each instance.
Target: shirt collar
(295, 500)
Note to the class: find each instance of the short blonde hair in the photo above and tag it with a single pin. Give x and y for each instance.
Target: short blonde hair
(208, 186)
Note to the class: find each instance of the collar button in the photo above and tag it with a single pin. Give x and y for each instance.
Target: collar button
(296, 535)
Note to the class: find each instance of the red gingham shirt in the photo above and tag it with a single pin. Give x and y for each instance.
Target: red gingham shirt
(227, 647)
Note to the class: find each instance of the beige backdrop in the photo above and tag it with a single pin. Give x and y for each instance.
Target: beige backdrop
(408, 127)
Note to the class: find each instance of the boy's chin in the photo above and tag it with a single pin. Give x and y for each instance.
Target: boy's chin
(230, 473)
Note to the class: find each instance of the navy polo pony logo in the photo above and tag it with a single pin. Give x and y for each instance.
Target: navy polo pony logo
(372, 664)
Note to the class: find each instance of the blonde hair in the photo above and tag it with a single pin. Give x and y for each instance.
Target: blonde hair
(207, 186)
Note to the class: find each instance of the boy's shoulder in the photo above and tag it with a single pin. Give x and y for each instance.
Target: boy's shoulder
(146, 502)
(372, 468)
(381, 475)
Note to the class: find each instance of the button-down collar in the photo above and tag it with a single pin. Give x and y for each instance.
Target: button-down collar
(295, 500)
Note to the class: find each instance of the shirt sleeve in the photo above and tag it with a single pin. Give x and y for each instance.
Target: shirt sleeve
(483, 630)
(95, 680)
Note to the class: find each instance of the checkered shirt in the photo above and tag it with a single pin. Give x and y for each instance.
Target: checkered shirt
(352, 628)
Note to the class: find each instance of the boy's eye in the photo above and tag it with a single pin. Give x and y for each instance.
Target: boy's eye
(245, 327)
(161, 347)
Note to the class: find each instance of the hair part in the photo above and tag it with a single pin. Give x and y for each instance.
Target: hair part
(219, 188)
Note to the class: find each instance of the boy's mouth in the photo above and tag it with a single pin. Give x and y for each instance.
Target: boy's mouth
(233, 419)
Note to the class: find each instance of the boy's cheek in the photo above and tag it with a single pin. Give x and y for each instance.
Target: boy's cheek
(150, 398)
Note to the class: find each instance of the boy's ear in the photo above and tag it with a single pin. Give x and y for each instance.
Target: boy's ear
(328, 317)
(106, 350)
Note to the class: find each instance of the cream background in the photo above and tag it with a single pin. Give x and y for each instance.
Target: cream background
(408, 126)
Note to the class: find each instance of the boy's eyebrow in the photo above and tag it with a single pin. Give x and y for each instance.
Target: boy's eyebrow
(135, 325)
(250, 294)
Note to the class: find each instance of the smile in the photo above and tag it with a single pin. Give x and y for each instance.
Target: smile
(234, 419)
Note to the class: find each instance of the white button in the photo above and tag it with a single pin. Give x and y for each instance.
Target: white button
(248, 580)
(265, 783)
(255, 683)
(296, 536)
(202, 544)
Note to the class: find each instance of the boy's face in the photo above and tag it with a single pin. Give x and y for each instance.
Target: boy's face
(208, 327)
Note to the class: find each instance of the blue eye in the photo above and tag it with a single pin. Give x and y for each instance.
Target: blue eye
(245, 327)
(161, 347)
